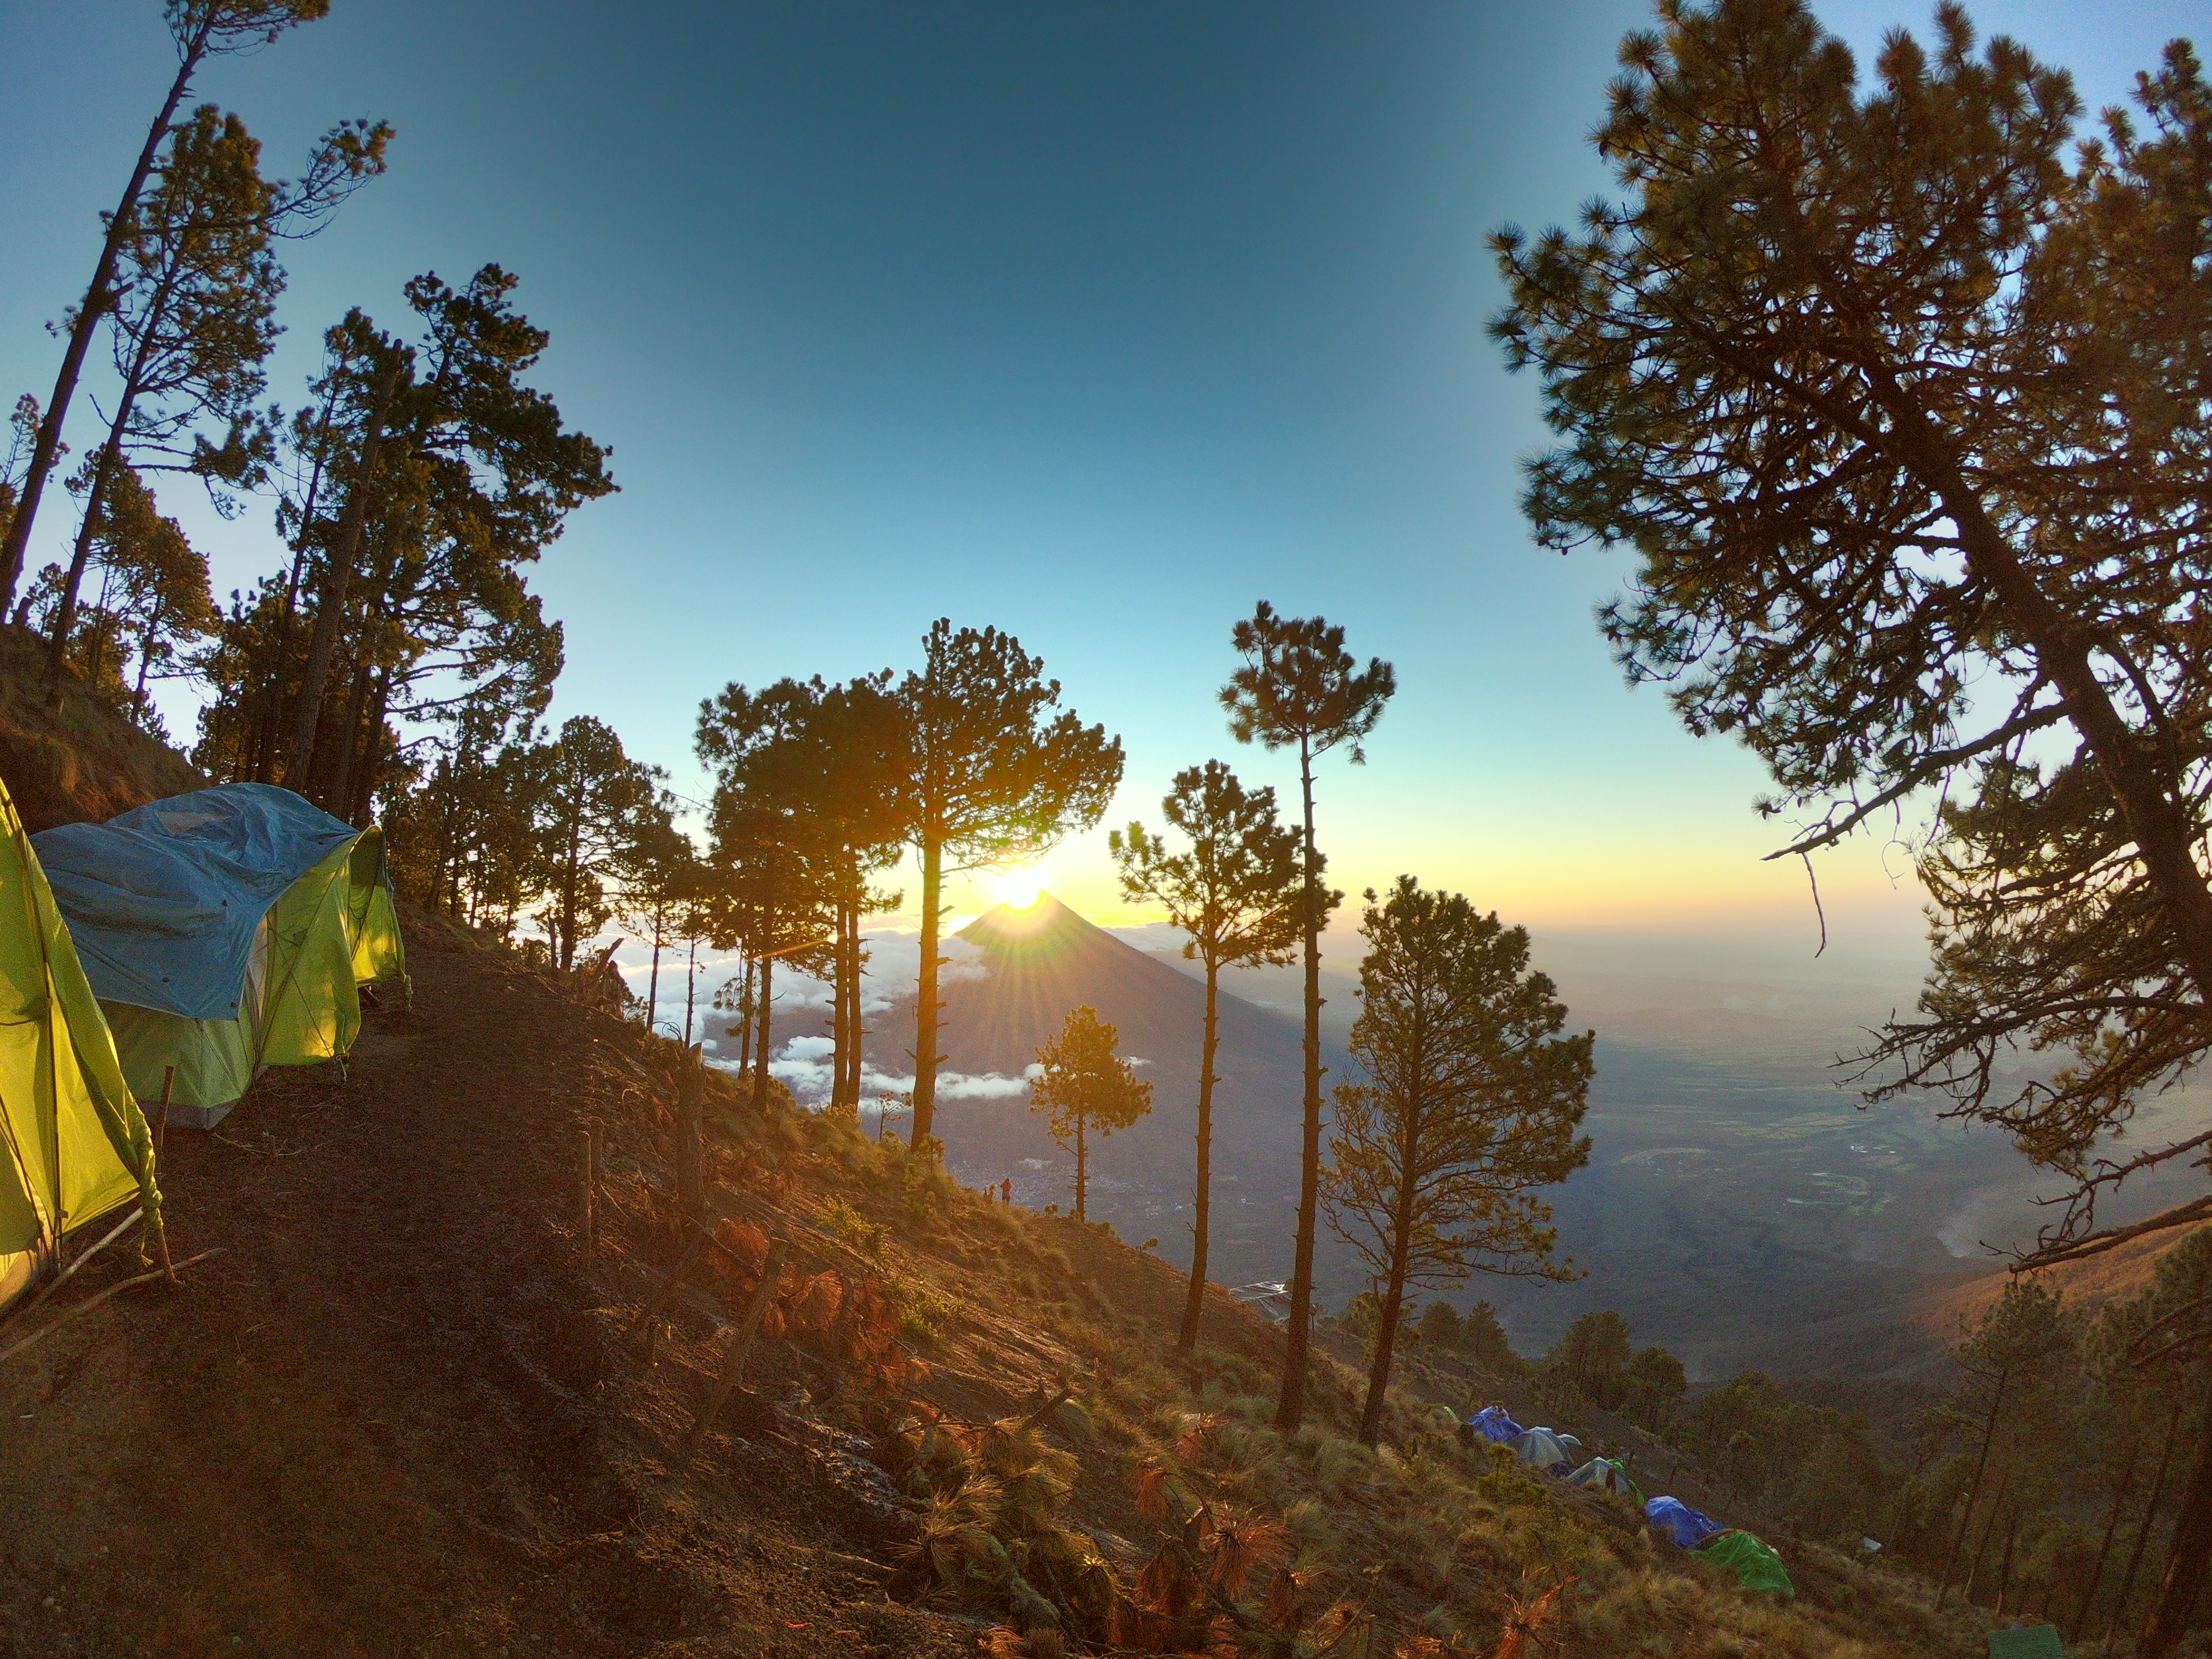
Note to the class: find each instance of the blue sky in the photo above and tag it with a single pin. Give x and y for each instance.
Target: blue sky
(1096, 323)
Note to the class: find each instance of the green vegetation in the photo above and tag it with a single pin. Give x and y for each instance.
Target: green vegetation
(1085, 1088)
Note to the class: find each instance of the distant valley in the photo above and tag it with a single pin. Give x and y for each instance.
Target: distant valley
(1738, 1207)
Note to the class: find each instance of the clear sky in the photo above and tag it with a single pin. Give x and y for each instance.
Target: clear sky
(1095, 322)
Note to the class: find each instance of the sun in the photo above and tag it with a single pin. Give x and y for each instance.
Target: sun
(1018, 890)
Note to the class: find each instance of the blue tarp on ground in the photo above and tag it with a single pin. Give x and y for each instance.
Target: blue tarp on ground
(163, 901)
(1688, 1526)
(1494, 1426)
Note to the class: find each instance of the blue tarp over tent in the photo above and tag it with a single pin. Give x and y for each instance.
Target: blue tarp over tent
(163, 901)
(1494, 1426)
(1688, 1526)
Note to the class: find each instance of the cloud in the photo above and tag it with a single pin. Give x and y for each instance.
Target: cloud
(894, 962)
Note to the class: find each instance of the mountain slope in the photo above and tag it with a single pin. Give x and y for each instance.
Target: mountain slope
(1031, 967)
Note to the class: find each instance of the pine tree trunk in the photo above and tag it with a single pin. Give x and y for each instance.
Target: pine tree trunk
(926, 1007)
(1081, 1172)
(767, 1031)
(653, 979)
(2143, 1532)
(2004, 1569)
(1974, 1486)
(839, 1036)
(96, 513)
(2186, 1556)
(572, 876)
(1401, 1250)
(1202, 1187)
(691, 990)
(2105, 1545)
(746, 1022)
(859, 1014)
(1989, 1528)
(337, 583)
(145, 658)
(98, 301)
(1289, 1409)
(338, 794)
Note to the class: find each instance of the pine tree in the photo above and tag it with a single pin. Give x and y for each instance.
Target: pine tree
(201, 29)
(1472, 1102)
(1237, 894)
(997, 778)
(1299, 688)
(1901, 406)
(193, 311)
(1085, 1088)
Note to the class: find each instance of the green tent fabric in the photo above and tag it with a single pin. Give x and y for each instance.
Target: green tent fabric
(235, 927)
(2029, 1642)
(76, 1147)
(1756, 1567)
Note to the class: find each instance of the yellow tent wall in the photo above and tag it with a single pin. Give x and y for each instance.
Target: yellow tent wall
(75, 1147)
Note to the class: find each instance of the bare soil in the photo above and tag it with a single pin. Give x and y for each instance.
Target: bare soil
(397, 1415)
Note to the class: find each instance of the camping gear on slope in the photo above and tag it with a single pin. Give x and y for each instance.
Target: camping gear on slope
(2026, 1642)
(1543, 1449)
(1757, 1566)
(1688, 1526)
(225, 931)
(1441, 1418)
(1494, 1426)
(1603, 1474)
(73, 1145)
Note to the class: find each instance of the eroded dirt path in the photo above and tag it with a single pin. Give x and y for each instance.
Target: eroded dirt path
(387, 1419)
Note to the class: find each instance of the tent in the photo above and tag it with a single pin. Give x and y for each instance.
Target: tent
(2026, 1642)
(1603, 1474)
(1544, 1449)
(1688, 1526)
(225, 931)
(1494, 1426)
(1757, 1566)
(73, 1146)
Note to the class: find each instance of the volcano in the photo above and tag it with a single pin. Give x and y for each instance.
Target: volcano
(1033, 964)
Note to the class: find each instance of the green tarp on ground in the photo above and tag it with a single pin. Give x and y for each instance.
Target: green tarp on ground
(76, 1147)
(2032, 1642)
(225, 931)
(1756, 1567)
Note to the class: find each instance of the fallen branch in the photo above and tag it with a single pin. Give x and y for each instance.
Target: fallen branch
(64, 1276)
(736, 1347)
(90, 1303)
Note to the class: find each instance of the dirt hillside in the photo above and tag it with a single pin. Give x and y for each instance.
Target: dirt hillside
(403, 1413)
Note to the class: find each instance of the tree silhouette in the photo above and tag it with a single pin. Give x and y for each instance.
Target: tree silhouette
(1902, 406)
(152, 596)
(1237, 892)
(1471, 1100)
(598, 804)
(192, 310)
(1300, 687)
(201, 29)
(996, 778)
(1085, 1088)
